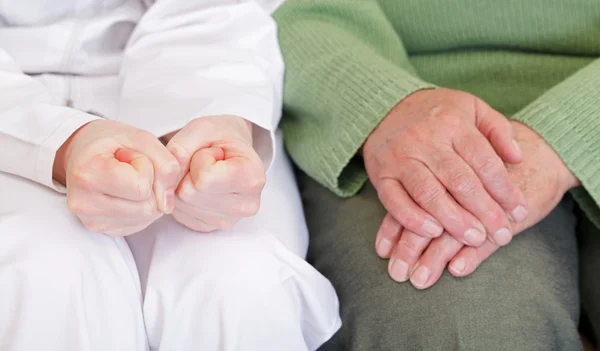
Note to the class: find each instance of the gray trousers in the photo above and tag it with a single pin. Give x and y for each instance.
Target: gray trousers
(524, 297)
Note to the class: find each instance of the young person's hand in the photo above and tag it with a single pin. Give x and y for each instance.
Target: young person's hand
(119, 178)
(223, 176)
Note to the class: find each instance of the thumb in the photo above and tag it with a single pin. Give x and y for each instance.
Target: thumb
(234, 174)
(202, 162)
(499, 132)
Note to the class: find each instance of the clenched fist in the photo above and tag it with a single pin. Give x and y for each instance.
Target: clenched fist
(119, 178)
(223, 176)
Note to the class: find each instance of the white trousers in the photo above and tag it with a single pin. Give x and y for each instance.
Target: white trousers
(167, 288)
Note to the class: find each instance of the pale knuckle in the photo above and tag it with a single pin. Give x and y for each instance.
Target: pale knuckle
(254, 184)
(149, 209)
(427, 193)
(169, 168)
(462, 184)
(224, 223)
(247, 208)
(144, 189)
(76, 205)
(202, 227)
(96, 226)
(144, 136)
(81, 178)
(186, 191)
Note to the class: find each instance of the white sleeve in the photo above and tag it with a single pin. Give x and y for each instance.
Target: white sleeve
(197, 58)
(31, 128)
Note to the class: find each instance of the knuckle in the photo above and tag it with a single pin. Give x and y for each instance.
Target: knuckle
(427, 194)
(76, 206)
(149, 209)
(144, 189)
(247, 208)
(410, 221)
(96, 226)
(143, 135)
(491, 169)
(408, 248)
(495, 217)
(462, 185)
(81, 178)
(224, 223)
(186, 191)
(178, 150)
(202, 227)
(169, 168)
(255, 183)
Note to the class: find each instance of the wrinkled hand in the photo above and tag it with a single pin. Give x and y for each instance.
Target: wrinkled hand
(223, 176)
(543, 178)
(119, 178)
(437, 163)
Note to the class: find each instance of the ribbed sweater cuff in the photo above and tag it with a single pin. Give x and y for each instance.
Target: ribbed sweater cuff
(568, 118)
(370, 93)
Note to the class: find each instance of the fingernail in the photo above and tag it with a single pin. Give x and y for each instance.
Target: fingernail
(384, 247)
(458, 266)
(169, 199)
(399, 270)
(517, 147)
(432, 228)
(502, 236)
(474, 237)
(519, 214)
(419, 276)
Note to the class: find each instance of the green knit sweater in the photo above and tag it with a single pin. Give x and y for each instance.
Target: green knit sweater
(350, 61)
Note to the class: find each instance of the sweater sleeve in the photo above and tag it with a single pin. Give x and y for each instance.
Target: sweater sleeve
(568, 118)
(346, 69)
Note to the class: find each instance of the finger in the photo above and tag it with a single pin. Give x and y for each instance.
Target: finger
(109, 225)
(498, 130)
(429, 268)
(192, 222)
(469, 258)
(105, 174)
(165, 165)
(466, 188)
(490, 169)
(239, 174)
(431, 195)
(403, 209)
(203, 159)
(387, 236)
(234, 205)
(214, 219)
(406, 253)
(84, 203)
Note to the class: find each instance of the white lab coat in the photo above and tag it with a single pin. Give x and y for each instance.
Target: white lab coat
(155, 65)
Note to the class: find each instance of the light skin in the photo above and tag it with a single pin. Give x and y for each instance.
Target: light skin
(120, 179)
(543, 178)
(536, 181)
(434, 153)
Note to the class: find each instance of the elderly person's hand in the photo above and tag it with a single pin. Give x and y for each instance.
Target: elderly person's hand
(543, 178)
(436, 161)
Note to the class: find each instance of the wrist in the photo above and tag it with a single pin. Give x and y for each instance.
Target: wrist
(570, 179)
(62, 156)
